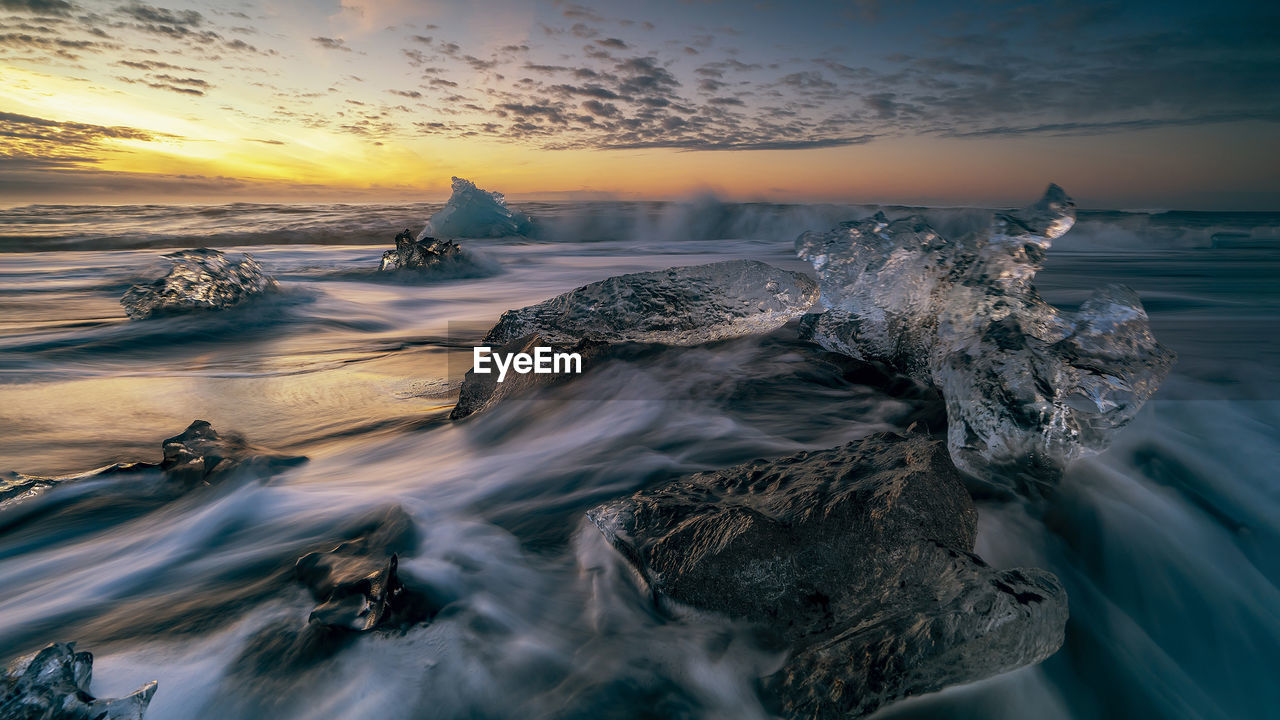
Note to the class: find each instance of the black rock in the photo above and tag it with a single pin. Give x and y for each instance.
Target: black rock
(53, 684)
(856, 560)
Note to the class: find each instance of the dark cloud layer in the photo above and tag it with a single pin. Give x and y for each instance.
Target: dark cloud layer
(1042, 69)
(28, 142)
(584, 79)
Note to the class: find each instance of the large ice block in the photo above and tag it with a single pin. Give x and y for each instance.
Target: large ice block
(1027, 386)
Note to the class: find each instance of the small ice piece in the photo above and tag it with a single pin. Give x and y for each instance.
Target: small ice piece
(54, 683)
(475, 213)
(1027, 386)
(425, 253)
(202, 279)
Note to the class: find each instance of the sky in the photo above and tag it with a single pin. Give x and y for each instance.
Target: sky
(1126, 104)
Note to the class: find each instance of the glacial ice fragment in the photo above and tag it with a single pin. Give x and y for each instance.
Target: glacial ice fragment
(201, 279)
(678, 306)
(475, 213)
(425, 253)
(54, 684)
(1027, 386)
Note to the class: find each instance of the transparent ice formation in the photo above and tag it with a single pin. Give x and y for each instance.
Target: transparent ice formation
(202, 279)
(475, 213)
(677, 306)
(1027, 386)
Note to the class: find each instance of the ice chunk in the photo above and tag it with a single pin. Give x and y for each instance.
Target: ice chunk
(425, 253)
(1027, 386)
(202, 279)
(475, 213)
(54, 683)
(677, 306)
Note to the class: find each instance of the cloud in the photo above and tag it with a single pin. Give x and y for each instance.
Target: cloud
(38, 7)
(721, 146)
(35, 140)
(329, 43)
(163, 16)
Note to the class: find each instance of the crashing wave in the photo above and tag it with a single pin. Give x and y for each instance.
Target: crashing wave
(201, 279)
(1027, 386)
(475, 213)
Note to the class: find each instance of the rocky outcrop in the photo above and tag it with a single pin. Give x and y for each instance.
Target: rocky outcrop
(426, 253)
(201, 279)
(857, 561)
(53, 684)
(677, 306)
(1028, 387)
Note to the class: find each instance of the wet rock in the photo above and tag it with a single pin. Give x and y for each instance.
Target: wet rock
(425, 253)
(856, 560)
(202, 279)
(678, 306)
(53, 684)
(1028, 387)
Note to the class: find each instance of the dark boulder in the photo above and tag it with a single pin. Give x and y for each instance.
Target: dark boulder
(856, 560)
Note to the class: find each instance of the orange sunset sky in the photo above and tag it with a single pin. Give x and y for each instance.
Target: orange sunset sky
(1138, 105)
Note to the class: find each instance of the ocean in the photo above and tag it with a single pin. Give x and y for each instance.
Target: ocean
(1168, 543)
